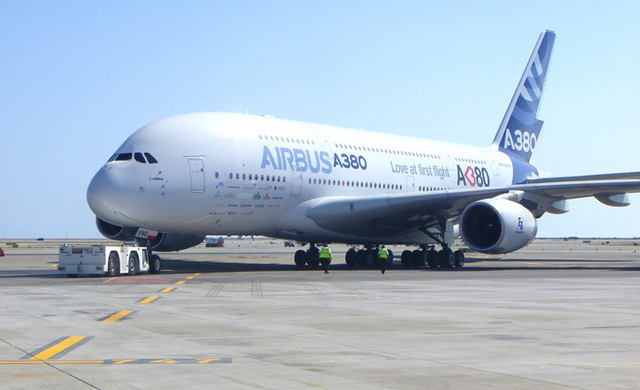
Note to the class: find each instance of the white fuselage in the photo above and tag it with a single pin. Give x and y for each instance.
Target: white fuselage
(219, 173)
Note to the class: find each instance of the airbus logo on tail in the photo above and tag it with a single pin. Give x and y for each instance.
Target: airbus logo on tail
(521, 141)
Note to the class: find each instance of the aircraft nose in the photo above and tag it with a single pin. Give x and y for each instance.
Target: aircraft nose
(104, 194)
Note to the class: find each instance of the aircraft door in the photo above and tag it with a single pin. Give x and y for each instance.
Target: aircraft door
(196, 173)
(296, 181)
(411, 184)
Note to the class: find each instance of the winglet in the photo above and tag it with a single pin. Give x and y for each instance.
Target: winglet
(518, 133)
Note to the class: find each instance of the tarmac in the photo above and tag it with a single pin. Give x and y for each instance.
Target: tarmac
(559, 314)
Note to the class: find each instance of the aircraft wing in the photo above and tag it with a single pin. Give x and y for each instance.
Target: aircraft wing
(391, 215)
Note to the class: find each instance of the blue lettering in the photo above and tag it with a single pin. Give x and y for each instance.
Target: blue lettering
(300, 163)
(324, 159)
(313, 169)
(336, 161)
(287, 159)
(267, 158)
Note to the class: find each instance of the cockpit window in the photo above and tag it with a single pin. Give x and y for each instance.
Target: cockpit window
(139, 158)
(150, 158)
(124, 157)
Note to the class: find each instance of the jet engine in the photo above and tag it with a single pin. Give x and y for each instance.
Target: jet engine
(114, 232)
(497, 226)
(164, 242)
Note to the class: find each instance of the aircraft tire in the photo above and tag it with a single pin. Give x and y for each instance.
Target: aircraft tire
(154, 264)
(405, 259)
(418, 258)
(361, 258)
(446, 258)
(458, 258)
(300, 258)
(350, 258)
(432, 258)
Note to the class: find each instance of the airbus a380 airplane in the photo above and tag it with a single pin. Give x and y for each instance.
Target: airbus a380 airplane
(178, 179)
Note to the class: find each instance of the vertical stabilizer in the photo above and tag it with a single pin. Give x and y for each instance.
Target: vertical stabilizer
(520, 128)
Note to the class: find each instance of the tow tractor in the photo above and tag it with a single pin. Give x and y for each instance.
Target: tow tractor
(106, 260)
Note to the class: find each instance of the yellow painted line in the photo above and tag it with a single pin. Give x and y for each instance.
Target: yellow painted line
(54, 265)
(205, 361)
(120, 361)
(148, 300)
(165, 361)
(123, 361)
(118, 316)
(51, 361)
(190, 277)
(168, 289)
(56, 349)
(197, 274)
(181, 282)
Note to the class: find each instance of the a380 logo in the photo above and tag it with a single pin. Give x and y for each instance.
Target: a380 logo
(349, 161)
(522, 141)
(474, 176)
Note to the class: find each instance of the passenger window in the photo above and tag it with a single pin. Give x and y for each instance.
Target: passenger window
(139, 158)
(150, 158)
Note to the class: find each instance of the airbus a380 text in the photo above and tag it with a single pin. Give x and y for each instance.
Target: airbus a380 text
(178, 179)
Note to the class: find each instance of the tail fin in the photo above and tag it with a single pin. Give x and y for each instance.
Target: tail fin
(518, 133)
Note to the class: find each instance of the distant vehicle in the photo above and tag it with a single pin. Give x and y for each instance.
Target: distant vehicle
(106, 260)
(214, 242)
(1, 253)
(40, 239)
(289, 244)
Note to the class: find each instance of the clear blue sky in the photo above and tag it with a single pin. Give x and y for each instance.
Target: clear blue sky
(78, 77)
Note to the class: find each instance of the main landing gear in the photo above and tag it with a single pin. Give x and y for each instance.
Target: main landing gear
(310, 257)
(368, 257)
(445, 258)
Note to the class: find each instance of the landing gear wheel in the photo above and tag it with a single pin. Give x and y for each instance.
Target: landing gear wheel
(432, 258)
(154, 264)
(372, 258)
(133, 263)
(350, 258)
(313, 257)
(418, 258)
(361, 258)
(300, 258)
(405, 259)
(389, 258)
(113, 264)
(446, 258)
(458, 258)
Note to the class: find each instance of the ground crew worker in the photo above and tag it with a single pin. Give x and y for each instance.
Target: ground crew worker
(325, 258)
(383, 255)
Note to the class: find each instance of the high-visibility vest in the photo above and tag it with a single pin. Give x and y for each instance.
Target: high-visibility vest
(325, 253)
(384, 253)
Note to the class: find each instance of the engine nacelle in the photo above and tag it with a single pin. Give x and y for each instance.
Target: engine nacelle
(174, 242)
(497, 226)
(114, 232)
(162, 243)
